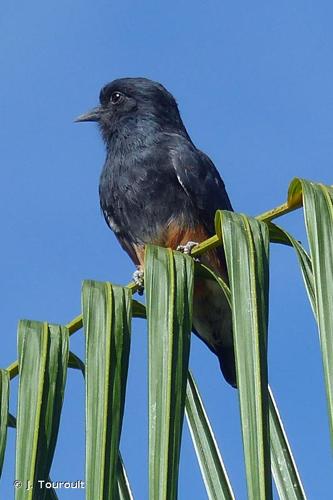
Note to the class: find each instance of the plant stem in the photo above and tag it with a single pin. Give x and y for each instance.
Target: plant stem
(213, 242)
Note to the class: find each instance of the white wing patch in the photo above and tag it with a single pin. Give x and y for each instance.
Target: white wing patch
(178, 177)
(182, 185)
(115, 228)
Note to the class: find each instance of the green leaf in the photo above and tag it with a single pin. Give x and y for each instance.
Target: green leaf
(169, 292)
(210, 461)
(4, 412)
(123, 483)
(76, 363)
(11, 422)
(277, 235)
(139, 310)
(50, 493)
(246, 248)
(318, 213)
(302, 256)
(286, 477)
(107, 323)
(43, 357)
(203, 271)
(284, 469)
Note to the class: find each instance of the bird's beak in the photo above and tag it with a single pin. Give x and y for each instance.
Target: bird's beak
(92, 116)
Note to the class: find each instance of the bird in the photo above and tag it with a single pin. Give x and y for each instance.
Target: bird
(157, 187)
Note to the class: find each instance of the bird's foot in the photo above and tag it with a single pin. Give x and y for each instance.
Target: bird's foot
(138, 278)
(187, 249)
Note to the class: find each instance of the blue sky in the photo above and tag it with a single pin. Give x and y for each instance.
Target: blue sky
(254, 84)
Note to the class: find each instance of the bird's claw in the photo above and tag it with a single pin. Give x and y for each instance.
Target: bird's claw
(187, 249)
(138, 278)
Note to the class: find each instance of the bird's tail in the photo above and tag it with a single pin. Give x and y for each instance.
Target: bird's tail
(227, 361)
(212, 322)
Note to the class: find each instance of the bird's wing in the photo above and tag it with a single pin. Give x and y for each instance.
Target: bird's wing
(200, 180)
(202, 183)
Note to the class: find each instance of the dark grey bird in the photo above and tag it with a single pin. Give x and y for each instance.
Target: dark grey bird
(157, 187)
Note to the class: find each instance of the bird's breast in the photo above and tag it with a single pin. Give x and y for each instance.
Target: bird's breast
(143, 199)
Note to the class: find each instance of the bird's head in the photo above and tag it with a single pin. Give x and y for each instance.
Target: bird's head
(134, 103)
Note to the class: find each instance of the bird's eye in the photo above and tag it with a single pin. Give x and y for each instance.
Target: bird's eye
(116, 97)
